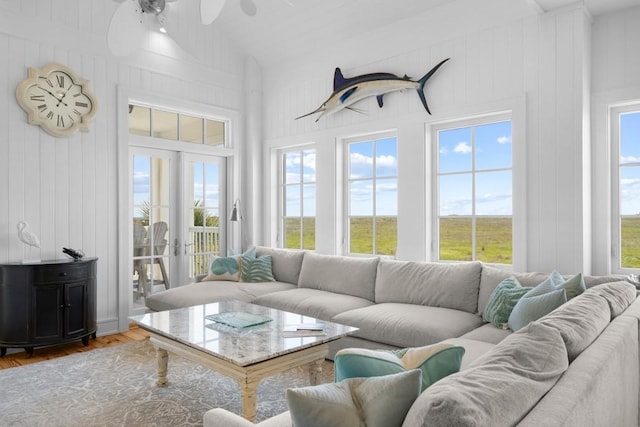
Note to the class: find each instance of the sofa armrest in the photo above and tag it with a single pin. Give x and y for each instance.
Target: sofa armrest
(219, 417)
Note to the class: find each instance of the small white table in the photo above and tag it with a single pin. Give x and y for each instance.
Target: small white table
(245, 354)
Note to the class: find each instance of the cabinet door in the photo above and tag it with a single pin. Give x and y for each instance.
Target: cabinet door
(75, 308)
(48, 307)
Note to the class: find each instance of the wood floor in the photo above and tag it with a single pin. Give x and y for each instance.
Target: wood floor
(39, 354)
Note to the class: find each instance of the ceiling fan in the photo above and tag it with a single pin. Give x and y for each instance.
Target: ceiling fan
(133, 18)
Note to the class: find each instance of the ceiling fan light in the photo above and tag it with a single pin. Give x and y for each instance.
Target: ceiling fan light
(163, 30)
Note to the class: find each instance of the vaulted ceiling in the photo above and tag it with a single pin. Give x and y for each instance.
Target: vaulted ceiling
(284, 28)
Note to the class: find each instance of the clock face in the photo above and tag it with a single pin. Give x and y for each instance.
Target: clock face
(57, 100)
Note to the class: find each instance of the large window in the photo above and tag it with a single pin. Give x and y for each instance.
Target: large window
(625, 127)
(372, 195)
(298, 196)
(474, 190)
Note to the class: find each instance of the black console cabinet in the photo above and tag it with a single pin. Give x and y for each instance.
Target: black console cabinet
(47, 303)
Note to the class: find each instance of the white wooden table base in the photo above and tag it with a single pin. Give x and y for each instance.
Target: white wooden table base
(248, 377)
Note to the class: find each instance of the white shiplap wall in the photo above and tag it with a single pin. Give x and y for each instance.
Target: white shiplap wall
(505, 55)
(66, 188)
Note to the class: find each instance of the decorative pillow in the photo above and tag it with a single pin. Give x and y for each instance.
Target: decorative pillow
(227, 268)
(434, 361)
(538, 302)
(502, 300)
(374, 402)
(573, 286)
(256, 269)
(224, 268)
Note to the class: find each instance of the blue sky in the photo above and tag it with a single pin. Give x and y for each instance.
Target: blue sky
(385, 168)
(630, 155)
(205, 179)
(490, 147)
(307, 176)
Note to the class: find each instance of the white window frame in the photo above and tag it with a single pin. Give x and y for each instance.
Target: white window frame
(282, 194)
(474, 121)
(346, 142)
(616, 167)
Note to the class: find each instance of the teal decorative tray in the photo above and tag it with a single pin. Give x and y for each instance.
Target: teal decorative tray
(238, 319)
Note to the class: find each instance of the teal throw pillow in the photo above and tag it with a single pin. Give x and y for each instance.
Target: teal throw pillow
(536, 303)
(573, 286)
(257, 269)
(224, 268)
(434, 362)
(502, 300)
(373, 402)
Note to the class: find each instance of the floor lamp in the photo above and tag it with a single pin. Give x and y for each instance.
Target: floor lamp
(236, 216)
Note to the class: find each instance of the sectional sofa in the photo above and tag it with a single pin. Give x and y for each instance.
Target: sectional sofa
(578, 365)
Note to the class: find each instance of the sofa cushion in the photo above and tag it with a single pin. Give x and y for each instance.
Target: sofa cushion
(619, 296)
(408, 325)
(499, 388)
(538, 302)
(434, 361)
(286, 263)
(339, 274)
(374, 402)
(473, 349)
(491, 277)
(579, 321)
(312, 302)
(503, 298)
(488, 333)
(450, 285)
(207, 292)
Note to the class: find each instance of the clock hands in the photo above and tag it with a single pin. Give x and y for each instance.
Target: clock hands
(52, 94)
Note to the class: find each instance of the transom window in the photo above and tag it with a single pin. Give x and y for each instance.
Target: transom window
(372, 195)
(176, 126)
(474, 190)
(625, 128)
(298, 196)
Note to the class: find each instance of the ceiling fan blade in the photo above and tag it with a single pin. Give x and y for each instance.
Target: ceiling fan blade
(125, 29)
(248, 7)
(210, 10)
(178, 22)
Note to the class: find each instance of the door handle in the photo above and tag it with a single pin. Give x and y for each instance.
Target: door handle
(176, 247)
(186, 245)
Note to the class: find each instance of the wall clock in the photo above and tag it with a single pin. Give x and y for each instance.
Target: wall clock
(55, 98)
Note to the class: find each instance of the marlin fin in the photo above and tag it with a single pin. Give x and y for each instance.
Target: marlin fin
(380, 102)
(347, 94)
(356, 110)
(422, 82)
(338, 79)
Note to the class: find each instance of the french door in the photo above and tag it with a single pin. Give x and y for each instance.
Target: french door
(177, 209)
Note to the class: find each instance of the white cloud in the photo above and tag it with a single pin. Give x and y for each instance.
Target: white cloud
(504, 140)
(629, 159)
(462, 148)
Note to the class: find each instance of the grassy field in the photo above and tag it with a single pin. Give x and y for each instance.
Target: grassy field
(493, 241)
(630, 237)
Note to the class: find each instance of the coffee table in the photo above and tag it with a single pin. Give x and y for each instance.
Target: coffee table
(246, 354)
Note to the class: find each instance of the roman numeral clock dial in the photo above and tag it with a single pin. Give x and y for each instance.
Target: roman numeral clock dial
(57, 100)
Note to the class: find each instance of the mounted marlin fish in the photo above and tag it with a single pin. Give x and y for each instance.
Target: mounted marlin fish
(347, 92)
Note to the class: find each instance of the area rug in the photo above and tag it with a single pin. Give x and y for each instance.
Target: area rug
(115, 386)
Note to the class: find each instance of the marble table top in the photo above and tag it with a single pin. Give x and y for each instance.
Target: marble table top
(240, 346)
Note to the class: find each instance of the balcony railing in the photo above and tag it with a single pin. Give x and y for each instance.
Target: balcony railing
(204, 242)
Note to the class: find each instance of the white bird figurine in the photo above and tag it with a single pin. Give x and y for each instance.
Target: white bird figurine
(26, 236)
